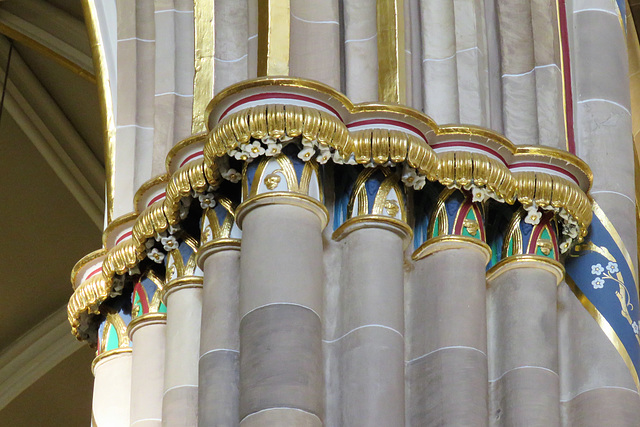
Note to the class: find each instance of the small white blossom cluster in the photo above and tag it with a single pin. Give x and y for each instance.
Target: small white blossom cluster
(412, 178)
(570, 228)
(168, 242)
(267, 146)
(598, 282)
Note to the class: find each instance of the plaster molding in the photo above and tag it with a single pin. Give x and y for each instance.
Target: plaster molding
(34, 354)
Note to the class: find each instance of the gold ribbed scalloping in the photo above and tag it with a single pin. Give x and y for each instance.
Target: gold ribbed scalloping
(120, 259)
(370, 145)
(551, 190)
(86, 299)
(464, 168)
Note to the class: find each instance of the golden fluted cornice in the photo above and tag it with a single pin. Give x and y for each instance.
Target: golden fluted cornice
(86, 299)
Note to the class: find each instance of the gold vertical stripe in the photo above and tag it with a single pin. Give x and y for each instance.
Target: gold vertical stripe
(106, 101)
(204, 45)
(392, 78)
(274, 34)
(633, 52)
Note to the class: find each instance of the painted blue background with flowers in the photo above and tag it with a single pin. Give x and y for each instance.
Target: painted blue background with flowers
(601, 269)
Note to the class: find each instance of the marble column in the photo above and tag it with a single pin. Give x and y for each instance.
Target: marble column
(447, 360)
(112, 388)
(183, 298)
(281, 369)
(523, 341)
(368, 342)
(218, 393)
(147, 333)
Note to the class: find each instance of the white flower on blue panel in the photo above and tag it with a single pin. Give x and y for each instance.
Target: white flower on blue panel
(597, 283)
(169, 243)
(207, 200)
(612, 267)
(597, 269)
(634, 325)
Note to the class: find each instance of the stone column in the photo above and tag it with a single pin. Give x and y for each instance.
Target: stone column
(281, 369)
(523, 341)
(368, 344)
(183, 297)
(447, 355)
(218, 394)
(147, 333)
(112, 388)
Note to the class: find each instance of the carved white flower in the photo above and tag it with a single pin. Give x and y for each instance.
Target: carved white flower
(533, 215)
(174, 229)
(184, 211)
(169, 243)
(565, 245)
(597, 269)
(479, 194)
(207, 200)
(634, 325)
(337, 158)
(570, 230)
(231, 175)
(253, 149)
(273, 149)
(351, 160)
(269, 140)
(612, 267)
(409, 176)
(322, 146)
(241, 155)
(597, 283)
(306, 154)
(323, 157)
(155, 255)
(420, 182)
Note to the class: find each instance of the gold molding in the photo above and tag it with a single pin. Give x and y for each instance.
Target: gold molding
(101, 358)
(215, 246)
(451, 241)
(392, 77)
(156, 180)
(204, 62)
(526, 261)
(274, 34)
(145, 320)
(394, 225)
(283, 198)
(187, 282)
(106, 101)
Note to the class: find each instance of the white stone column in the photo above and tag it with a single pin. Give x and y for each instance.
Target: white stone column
(112, 388)
(368, 343)
(218, 393)
(281, 368)
(447, 333)
(523, 341)
(147, 334)
(183, 298)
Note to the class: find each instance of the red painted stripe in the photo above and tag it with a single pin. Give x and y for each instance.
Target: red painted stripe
(388, 122)
(262, 96)
(124, 236)
(568, 94)
(544, 166)
(155, 199)
(462, 214)
(191, 157)
(471, 145)
(93, 273)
